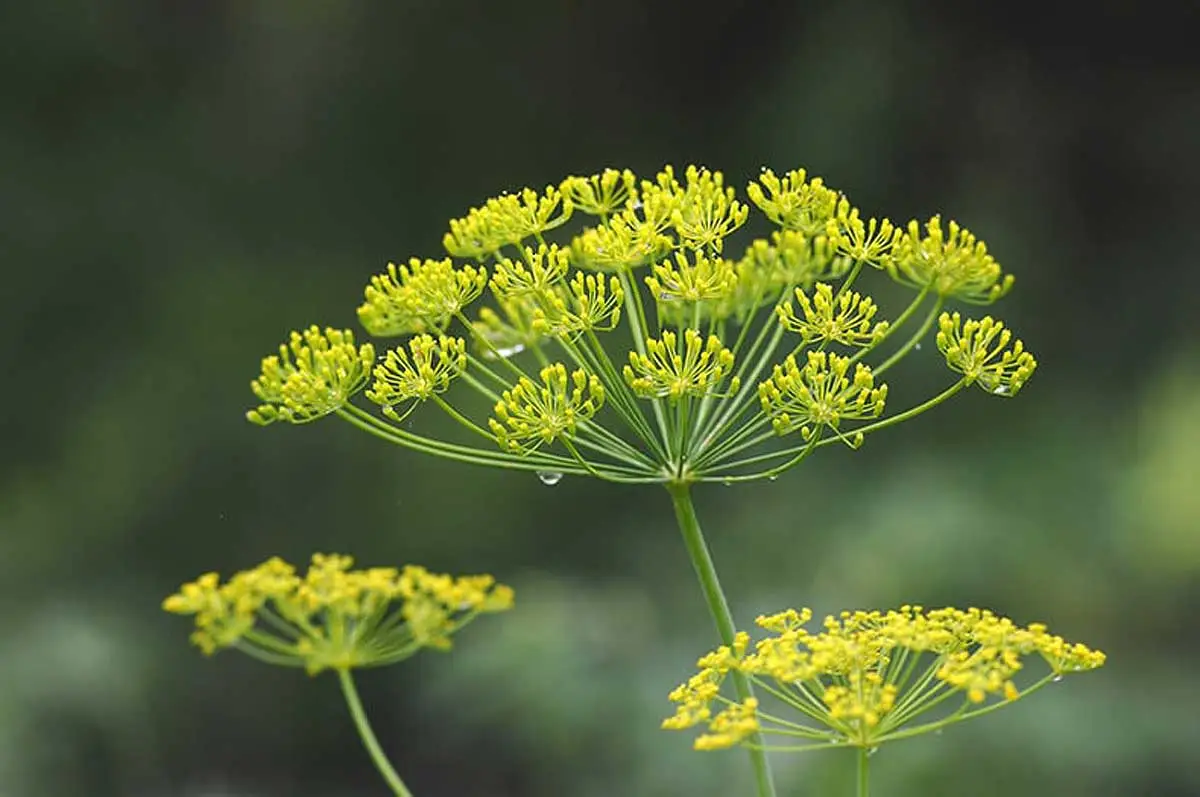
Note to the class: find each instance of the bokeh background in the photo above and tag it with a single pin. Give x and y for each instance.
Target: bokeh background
(185, 182)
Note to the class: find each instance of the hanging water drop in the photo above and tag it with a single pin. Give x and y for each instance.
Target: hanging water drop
(872, 751)
(917, 347)
(728, 482)
(1057, 678)
(773, 477)
(549, 477)
(1000, 390)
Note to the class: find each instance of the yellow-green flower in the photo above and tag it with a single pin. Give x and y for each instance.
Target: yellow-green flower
(845, 318)
(699, 279)
(697, 327)
(419, 297)
(534, 276)
(979, 351)
(507, 219)
(950, 262)
(794, 202)
(586, 304)
(314, 374)
(869, 242)
(819, 394)
(401, 378)
(333, 617)
(706, 211)
(623, 244)
(530, 415)
(666, 372)
(601, 194)
(866, 678)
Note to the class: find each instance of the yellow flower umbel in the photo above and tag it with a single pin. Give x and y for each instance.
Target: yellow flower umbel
(866, 678)
(333, 617)
(708, 368)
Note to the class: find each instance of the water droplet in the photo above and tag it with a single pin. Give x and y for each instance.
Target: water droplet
(728, 482)
(917, 347)
(872, 751)
(637, 204)
(507, 351)
(1057, 678)
(1000, 390)
(549, 477)
(939, 732)
(667, 297)
(773, 477)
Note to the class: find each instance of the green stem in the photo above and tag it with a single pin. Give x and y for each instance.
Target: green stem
(864, 771)
(693, 538)
(368, 736)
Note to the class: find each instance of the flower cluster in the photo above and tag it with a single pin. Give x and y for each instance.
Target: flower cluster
(636, 347)
(333, 617)
(869, 677)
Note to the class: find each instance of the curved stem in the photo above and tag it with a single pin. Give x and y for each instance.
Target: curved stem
(368, 736)
(718, 607)
(864, 772)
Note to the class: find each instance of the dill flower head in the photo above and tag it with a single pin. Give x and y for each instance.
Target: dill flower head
(614, 327)
(333, 617)
(867, 677)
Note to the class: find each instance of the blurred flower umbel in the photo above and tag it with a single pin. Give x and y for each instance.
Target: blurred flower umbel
(868, 678)
(333, 617)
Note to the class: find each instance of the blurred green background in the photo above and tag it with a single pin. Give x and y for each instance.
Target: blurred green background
(185, 182)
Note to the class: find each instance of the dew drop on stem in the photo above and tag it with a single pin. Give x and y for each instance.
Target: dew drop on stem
(549, 477)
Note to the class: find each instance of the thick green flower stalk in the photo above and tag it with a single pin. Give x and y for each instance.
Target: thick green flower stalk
(638, 347)
(867, 678)
(335, 618)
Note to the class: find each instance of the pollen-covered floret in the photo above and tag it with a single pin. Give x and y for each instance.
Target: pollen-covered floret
(666, 372)
(333, 617)
(415, 375)
(601, 194)
(586, 304)
(534, 275)
(706, 211)
(419, 297)
(822, 393)
(870, 242)
(507, 219)
(314, 374)
(980, 351)
(869, 676)
(844, 318)
(530, 415)
(794, 202)
(626, 242)
(698, 279)
(951, 262)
